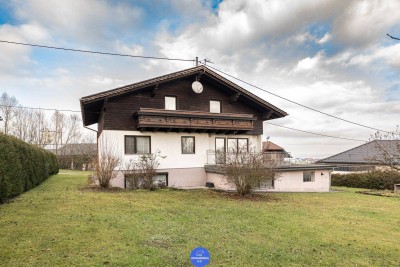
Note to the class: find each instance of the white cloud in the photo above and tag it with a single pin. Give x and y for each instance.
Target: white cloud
(366, 21)
(134, 49)
(326, 38)
(15, 58)
(88, 21)
(307, 64)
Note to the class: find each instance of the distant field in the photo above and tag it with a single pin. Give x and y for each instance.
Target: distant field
(60, 224)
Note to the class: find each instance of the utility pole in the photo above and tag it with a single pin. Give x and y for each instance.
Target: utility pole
(197, 61)
(56, 133)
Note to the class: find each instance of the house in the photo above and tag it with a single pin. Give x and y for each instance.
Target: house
(274, 152)
(190, 116)
(77, 156)
(369, 156)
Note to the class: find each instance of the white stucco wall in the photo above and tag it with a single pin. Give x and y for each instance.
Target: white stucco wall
(290, 181)
(184, 170)
(170, 146)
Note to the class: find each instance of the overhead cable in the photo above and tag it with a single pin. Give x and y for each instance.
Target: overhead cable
(95, 52)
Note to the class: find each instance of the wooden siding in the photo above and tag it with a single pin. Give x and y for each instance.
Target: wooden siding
(119, 111)
(200, 121)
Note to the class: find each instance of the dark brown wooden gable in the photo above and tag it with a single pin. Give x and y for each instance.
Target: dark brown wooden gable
(120, 110)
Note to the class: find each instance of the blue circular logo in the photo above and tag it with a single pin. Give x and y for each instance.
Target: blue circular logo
(200, 257)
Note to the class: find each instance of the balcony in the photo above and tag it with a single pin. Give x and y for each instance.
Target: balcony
(193, 121)
(277, 159)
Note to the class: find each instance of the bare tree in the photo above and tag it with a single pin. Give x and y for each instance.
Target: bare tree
(389, 152)
(248, 169)
(105, 167)
(30, 126)
(7, 109)
(394, 38)
(142, 171)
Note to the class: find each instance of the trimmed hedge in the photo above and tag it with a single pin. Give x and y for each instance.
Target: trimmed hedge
(22, 166)
(372, 180)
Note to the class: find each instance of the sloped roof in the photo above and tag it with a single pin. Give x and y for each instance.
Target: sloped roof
(370, 153)
(269, 146)
(91, 105)
(88, 149)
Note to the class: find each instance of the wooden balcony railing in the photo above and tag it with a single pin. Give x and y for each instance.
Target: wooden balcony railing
(193, 121)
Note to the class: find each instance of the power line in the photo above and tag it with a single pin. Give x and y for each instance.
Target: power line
(204, 63)
(95, 52)
(308, 132)
(46, 109)
(294, 102)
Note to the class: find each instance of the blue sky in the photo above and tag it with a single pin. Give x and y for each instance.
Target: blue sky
(331, 55)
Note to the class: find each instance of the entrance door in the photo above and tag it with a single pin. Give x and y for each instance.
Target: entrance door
(220, 149)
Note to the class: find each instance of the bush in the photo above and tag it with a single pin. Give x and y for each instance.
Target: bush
(22, 166)
(372, 180)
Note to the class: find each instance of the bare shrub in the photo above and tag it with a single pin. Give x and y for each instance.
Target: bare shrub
(247, 169)
(141, 172)
(107, 162)
(389, 155)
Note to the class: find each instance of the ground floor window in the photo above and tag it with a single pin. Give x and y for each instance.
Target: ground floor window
(308, 176)
(137, 144)
(238, 144)
(188, 144)
(269, 184)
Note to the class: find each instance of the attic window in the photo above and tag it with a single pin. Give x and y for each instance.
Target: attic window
(215, 106)
(170, 103)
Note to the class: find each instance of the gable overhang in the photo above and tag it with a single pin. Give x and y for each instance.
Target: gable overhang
(92, 105)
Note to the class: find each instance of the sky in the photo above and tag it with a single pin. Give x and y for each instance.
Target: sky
(333, 56)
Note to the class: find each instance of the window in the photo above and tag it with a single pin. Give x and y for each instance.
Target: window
(215, 106)
(188, 146)
(170, 103)
(238, 144)
(308, 176)
(137, 144)
(161, 180)
(220, 150)
(269, 184)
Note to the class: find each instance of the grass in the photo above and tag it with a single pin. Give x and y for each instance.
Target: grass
(61, 224)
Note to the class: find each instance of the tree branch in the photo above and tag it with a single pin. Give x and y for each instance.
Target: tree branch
(395, 38)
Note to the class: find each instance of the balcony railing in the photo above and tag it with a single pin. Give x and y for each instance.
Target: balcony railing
(194, 121)
(279, 159)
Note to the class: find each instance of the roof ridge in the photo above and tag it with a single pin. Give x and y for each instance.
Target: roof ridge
(345, 151)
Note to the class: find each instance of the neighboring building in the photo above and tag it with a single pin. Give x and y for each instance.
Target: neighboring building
(77, 156)
(275, 152)
(190, 124)
(369, 156)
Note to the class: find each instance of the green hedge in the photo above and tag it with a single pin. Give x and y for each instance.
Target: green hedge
(22, 166)
(372, 180)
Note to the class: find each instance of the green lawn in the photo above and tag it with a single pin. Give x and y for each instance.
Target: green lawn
(59, 224)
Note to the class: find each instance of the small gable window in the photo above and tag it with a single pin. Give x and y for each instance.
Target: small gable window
(170, 103)
(215, 106)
